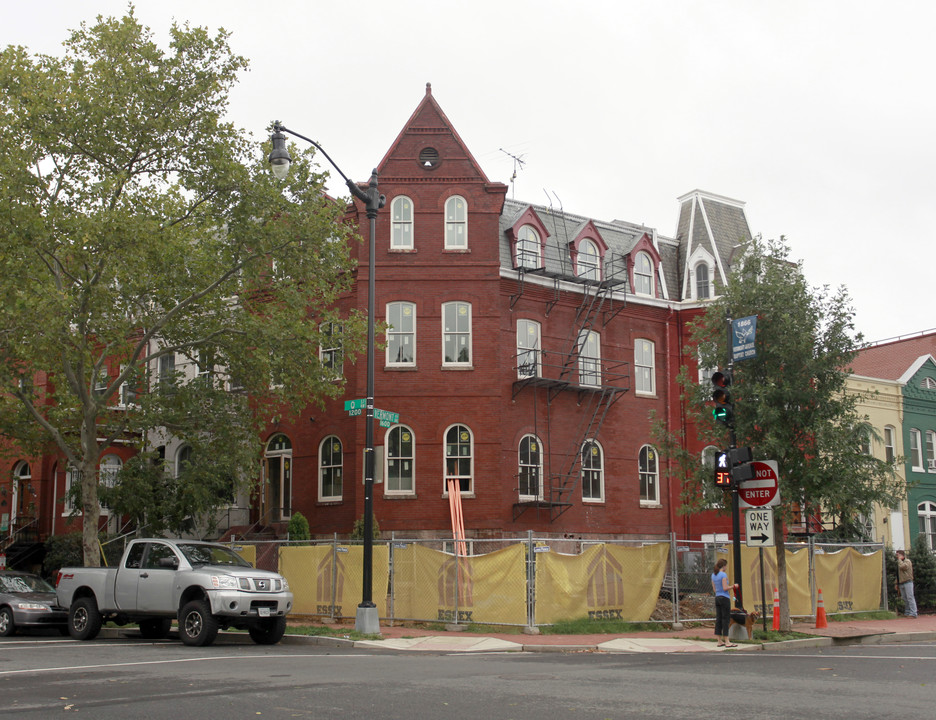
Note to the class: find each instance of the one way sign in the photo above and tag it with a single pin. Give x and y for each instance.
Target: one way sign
(759, 528)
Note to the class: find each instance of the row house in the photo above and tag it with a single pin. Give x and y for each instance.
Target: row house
(527, 348)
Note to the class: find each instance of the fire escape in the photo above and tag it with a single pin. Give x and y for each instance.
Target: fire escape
(598, 382)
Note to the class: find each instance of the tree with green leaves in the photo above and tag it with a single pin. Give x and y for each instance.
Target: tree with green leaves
(790, 401)
(136, 223)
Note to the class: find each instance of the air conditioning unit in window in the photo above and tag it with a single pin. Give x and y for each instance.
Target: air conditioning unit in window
(932, 465)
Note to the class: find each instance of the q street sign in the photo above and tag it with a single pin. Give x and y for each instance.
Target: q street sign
(743, 331)
(758, 527)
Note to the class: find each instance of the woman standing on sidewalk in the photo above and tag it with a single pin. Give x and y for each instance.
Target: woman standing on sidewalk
(722, 603)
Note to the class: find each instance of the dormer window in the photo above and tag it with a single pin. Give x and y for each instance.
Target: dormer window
(643, 274)
(588, 261)
(529, 249)
(702, 283)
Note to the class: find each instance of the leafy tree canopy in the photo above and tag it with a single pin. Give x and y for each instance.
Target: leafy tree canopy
(136, 222)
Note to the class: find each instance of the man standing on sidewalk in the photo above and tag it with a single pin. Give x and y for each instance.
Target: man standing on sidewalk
(905, 583)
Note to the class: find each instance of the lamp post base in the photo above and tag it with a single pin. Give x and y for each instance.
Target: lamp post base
(367, 620)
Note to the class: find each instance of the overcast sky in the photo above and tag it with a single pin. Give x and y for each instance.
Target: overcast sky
(819, 115)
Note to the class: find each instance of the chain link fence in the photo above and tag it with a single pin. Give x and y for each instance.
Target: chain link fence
(532, 581)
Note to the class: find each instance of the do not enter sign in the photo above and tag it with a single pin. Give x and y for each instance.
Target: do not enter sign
(764, 489)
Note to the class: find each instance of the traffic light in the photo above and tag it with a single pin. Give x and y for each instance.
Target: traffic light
(722, 470)
(723, 412)
(740, 461)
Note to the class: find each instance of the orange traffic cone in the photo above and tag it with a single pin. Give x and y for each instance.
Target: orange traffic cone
(820, 613)
(776, 609)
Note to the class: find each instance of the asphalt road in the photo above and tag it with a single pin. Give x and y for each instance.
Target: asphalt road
(44, 677)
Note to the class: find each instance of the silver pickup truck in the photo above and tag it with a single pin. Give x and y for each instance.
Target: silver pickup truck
(207, 587)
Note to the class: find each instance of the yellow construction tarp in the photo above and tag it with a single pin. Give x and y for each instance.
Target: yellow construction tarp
(849, 580)
(487, 588)
(604, 582)
(327, 579)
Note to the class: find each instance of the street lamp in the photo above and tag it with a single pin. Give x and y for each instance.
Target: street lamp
(367, 619)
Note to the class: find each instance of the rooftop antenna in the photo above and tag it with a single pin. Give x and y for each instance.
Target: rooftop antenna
(517, 165)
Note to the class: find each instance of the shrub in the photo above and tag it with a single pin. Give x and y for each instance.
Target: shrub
(298, 528)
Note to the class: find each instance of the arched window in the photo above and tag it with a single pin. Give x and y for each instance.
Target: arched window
(643, 274)
(530, 468)
(529, 249)
(649, 471)
(459, 458)
(22, 489)
(703, 287)
(331, 464)
(926, 512)
(456, 223)
(401, 212)
(592, 472)
(588, 260)
(401, 458)
(277, 490)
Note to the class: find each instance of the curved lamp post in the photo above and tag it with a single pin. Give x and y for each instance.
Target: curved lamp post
(367, 619)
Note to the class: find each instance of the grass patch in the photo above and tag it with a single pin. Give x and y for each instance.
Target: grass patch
(586, 626)
(770, 636)
(870, 615)
(328, 631)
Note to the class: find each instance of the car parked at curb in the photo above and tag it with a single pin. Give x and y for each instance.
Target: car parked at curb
(28, 601)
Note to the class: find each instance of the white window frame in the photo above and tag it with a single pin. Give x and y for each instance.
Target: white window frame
(525, 466)
(916, 450)
(926, 515)
(593, 469)
(332, 468)
(332, 356)
(460, 333)
(166, 365)
(402, 459)
(647, 457)
(644, 367)
(283, 455)
(643, 275)
(402, 223)
(703, 286)
(589, 360)
(529, 248)
(890, 443)
(588, 260)
(401, 332)
(529, 350)
(456, 223)
(931, 451)
(72, 476)
(460, 442)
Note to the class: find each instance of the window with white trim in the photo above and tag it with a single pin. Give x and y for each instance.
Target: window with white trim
(643, 274)
(331, 352)
(930, 451)
(401, 461)
(401, 213)
(401, 334)
(589, 358)
(456, 333)
(926, 512)
(459, 458)
(890, 452)
(592, 472)
(72, 490)
(588, 260)
(649, 471)
(456, 223)
(107, 476)
(644, 368)
(702, 283)
(529, 249)
(916, 450)
(530, 468)
(331, 467)
(167, 366)
(529, 360)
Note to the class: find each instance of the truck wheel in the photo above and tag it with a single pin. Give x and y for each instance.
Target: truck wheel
(269, 631)
(7, 626)
(84, 619)
(155, 629)
(197, 626)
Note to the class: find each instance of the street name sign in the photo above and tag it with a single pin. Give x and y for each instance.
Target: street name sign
(764, 489)
(358, 404)
(759, 527)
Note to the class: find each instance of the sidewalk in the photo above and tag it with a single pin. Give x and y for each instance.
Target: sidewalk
(696, 639)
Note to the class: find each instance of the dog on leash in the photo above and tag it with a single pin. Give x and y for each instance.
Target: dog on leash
(745, 619)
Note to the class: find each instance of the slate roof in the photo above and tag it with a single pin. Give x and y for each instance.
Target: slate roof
(890, 359)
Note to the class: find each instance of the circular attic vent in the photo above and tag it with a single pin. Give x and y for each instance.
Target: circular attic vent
(429, 158)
